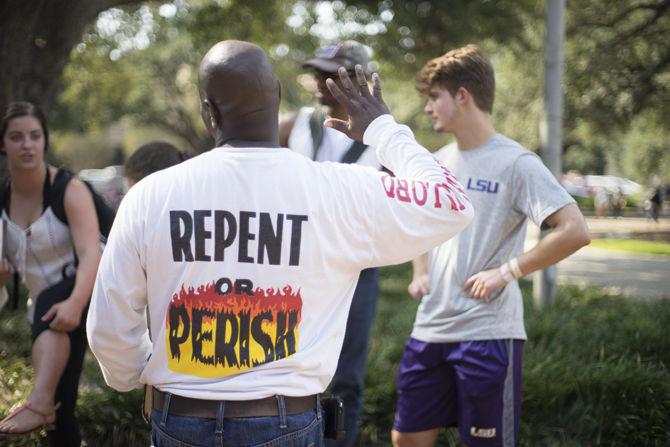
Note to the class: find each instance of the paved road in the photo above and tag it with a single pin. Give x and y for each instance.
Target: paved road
(640, 276)
(609, 227)
(637, 275)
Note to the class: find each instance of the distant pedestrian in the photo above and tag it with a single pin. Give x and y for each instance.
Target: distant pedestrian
(601, 202)
(656, 203)
(618, 201)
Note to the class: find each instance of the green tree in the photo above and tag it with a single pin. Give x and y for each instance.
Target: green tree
(405, 34)
(618, 85)
(36, 37)
(111, 78)
(646, 149)
(609, 79)
(619, 60)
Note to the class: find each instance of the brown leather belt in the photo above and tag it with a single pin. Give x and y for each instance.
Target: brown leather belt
(208, 409)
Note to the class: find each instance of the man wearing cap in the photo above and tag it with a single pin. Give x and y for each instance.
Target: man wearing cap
(303, 132)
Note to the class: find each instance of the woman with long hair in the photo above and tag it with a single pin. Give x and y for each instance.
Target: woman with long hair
(53, 241)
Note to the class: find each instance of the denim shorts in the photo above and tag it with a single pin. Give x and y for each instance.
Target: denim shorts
(297, 430)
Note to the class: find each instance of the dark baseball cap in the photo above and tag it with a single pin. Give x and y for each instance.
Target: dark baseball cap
(346, 54)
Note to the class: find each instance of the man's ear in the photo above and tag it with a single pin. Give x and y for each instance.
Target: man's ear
(204, 115)
(211, 115)
(462, 95)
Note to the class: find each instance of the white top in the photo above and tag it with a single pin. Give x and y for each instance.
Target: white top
(43, 253)
(333, 147)
(507, 184)
(248, 259)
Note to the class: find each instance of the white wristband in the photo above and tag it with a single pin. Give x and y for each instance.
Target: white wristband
(514, 267)
(506, 273)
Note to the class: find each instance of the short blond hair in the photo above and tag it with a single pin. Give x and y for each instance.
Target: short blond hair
(465, 67)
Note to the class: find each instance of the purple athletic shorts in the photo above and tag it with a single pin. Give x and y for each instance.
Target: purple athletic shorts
(472, 385)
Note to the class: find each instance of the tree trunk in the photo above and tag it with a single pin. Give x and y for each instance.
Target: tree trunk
(36, 37)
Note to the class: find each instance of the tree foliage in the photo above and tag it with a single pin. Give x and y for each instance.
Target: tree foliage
(646, 149)
(616, 63)
(36, 37)
(618, 86)
(417, 30)
(156, 84)
(398, 33)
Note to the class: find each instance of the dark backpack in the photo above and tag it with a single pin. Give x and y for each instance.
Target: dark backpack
(104, 212)
(54, 195)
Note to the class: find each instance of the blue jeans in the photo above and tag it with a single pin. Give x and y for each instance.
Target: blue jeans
(349, 379)
(297, 430)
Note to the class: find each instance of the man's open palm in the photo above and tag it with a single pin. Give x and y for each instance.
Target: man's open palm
(361, 106)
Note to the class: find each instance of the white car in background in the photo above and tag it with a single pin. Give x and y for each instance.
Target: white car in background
(588, 185)
(108, 182)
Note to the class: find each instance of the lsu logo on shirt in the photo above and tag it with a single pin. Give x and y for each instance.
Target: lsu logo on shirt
(482, 185)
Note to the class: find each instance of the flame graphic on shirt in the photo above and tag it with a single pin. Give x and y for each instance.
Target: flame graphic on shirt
(210, 334)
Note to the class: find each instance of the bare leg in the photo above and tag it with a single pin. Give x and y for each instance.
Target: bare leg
(415, 439)
(50, 354)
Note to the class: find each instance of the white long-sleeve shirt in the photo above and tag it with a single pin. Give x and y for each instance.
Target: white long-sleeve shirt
(247, 259)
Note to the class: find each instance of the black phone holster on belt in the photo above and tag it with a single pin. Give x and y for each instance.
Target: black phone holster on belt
(333, 418)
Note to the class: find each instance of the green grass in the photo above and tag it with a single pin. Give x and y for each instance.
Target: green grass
(595, 368)
(107, 418)
(636, 246)
(595, 373)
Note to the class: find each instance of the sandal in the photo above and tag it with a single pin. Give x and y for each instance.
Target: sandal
(47, 423)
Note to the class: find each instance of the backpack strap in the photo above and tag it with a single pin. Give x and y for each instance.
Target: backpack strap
(354, 152)
(4, 194)
(55, 197)
(316, 129)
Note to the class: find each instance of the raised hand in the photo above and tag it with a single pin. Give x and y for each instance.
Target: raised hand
(361, 106)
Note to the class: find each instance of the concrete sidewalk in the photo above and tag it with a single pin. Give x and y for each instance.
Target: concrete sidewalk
(637, 275)
(640, 276)
(618, 227)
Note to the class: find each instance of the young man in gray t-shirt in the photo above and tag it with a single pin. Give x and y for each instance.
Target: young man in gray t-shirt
(462, 364)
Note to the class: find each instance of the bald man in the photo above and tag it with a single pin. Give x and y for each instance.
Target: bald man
(247, 257)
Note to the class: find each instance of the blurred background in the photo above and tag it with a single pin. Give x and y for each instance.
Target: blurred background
(131, 72)
(115, 74)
